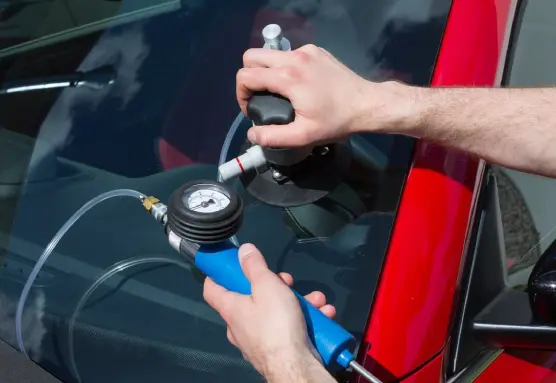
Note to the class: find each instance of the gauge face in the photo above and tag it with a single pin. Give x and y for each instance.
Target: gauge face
(205, 198)
(205, 211)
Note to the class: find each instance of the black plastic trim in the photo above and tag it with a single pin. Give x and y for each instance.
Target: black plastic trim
(483, 277)
(514, 36)
(508, 322)
(16, 368)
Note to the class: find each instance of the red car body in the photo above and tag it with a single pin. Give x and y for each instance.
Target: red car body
(408, 333)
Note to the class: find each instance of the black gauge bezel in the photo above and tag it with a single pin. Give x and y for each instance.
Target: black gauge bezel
(202, 227)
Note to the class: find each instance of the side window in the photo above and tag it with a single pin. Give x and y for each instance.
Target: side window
(516, 218)
(527, 201)
(24, 21)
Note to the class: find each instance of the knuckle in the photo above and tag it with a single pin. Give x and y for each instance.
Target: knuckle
(247, 55)
(311, 49)
(302, 56)
(241, 74)
(290, 73)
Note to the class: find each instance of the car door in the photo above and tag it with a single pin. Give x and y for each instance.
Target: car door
(515, 223)
(98, 96)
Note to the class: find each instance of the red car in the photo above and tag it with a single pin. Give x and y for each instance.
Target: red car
(418, 248)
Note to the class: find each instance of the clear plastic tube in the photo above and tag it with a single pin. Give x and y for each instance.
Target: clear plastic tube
(228, 140)
(224, 152)
(110, 272)
(50, 247)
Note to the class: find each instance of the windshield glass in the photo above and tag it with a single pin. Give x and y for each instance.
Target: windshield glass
(103, 95)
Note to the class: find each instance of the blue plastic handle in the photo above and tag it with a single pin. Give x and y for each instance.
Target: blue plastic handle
(334, 344)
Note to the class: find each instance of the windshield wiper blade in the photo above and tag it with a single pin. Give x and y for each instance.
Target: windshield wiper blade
(95, 79)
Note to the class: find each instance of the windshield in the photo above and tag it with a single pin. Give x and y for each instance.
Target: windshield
(102, 95)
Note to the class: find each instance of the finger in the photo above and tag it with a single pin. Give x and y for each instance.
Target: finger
(279, 136)
(230, 337)
(287, 278)
(249, 80)
(253, 263)
(329, 311)
(316, 298)
(220, 299)
(266, 58)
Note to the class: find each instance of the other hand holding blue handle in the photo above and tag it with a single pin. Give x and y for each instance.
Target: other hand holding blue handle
(334, 344)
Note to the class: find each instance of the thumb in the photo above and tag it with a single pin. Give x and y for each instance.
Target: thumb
(279, 136)
(252, 263)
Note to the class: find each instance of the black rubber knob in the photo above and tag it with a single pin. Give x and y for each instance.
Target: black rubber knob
(267, 108)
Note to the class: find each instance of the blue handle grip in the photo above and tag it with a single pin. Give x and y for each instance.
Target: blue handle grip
(334, 344)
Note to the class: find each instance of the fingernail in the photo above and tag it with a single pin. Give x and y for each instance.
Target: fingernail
(252, 136)
(245, 250)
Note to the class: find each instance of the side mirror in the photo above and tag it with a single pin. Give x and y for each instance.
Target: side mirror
(523, 319)
(542, 287)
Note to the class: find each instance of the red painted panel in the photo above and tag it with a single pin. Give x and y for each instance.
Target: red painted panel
(472, 43)
(430, 373)
(412, 310)
(521, 366)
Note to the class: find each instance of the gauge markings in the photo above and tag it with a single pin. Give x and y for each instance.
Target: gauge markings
(207, 201)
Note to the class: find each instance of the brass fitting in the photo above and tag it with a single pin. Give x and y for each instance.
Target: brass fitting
(149, 202)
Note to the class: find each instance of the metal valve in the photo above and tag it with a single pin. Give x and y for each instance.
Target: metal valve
(273, 38)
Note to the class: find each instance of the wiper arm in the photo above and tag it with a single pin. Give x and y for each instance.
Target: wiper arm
(95, 79)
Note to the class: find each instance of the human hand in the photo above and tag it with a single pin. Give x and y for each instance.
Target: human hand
(268, 326)
(330, 100)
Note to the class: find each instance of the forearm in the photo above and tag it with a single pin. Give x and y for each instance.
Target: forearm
(515, 128)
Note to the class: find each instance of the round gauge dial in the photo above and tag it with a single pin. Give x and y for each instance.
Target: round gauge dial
(205, 211)
(205, 199)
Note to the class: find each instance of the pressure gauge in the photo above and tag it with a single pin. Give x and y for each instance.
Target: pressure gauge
(205, 212)
(205, 198)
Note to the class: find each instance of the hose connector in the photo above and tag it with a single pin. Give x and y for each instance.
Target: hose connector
(253, 158)
(156, 208)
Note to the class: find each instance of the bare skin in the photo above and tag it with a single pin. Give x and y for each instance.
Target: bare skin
(515, 128)
(268, 325)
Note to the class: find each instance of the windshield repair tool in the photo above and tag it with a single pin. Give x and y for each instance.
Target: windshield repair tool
(272, 35)
(285, 177)
(199, 220)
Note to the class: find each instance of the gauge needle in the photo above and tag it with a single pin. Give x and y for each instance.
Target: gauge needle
(203, 204)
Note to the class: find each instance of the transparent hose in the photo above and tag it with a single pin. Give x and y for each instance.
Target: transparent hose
(48, 250)
(224, 152)
(110, 272)
(228, 140)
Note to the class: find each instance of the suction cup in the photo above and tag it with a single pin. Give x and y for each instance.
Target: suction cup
(304, 182)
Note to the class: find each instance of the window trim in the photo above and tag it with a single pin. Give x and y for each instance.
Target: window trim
(487, 198)
(471, 370)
